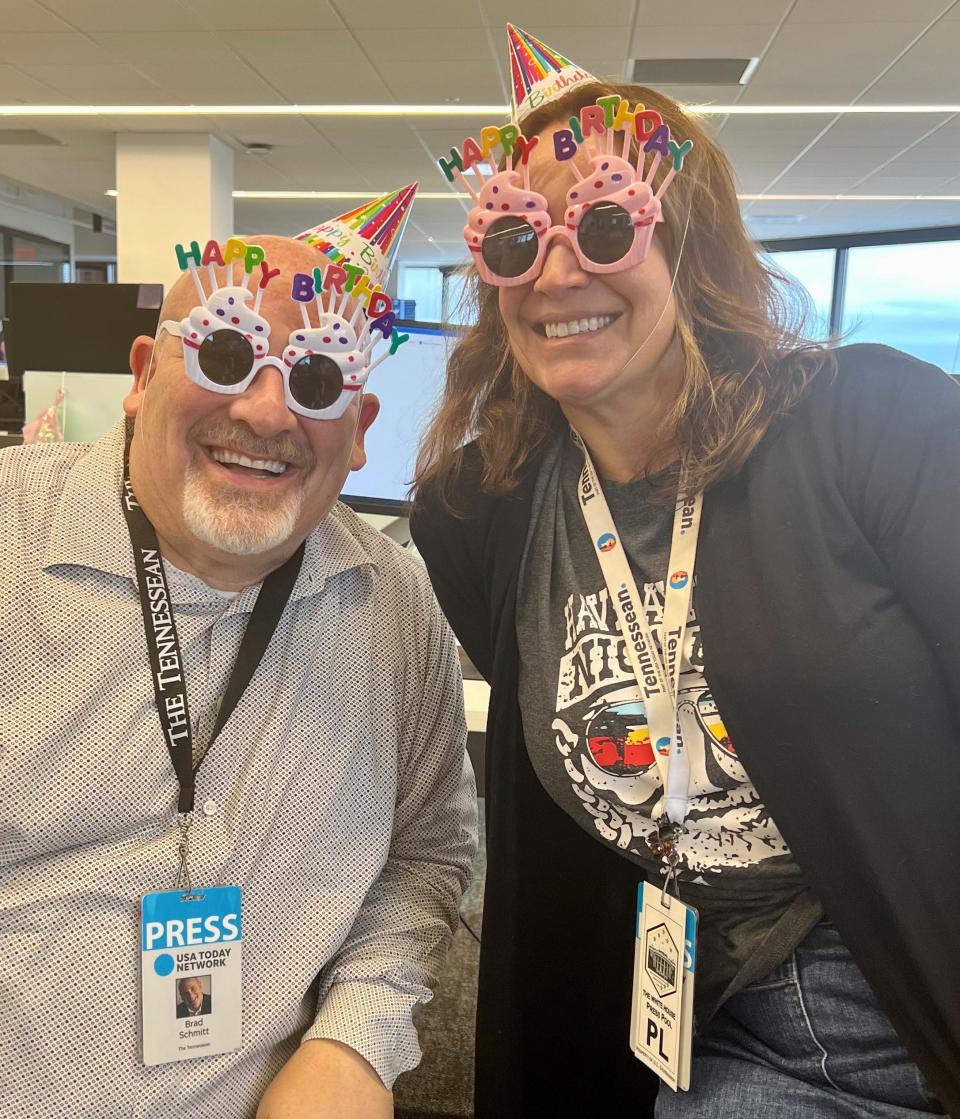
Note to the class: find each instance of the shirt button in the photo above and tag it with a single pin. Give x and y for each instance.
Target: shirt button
(210, 807)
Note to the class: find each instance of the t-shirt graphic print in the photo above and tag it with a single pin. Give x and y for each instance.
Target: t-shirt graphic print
(601, 736)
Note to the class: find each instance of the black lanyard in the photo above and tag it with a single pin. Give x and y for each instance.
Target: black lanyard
(163, 645)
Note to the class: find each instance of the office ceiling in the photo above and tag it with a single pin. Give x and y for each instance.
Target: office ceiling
(843, 52)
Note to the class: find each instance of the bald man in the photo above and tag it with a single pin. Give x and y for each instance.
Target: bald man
(310, 753)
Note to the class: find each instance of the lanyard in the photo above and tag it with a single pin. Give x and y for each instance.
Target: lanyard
(657, 675)
(163, 646)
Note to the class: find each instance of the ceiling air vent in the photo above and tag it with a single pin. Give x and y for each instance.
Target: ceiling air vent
(27, 136)
(691, 71)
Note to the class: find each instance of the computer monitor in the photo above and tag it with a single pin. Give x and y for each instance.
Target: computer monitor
(78, 328)
(408, 385)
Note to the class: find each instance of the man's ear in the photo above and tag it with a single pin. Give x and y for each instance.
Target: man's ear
(141, 353)
(369, 409)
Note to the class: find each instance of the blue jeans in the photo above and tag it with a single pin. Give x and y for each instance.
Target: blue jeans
(807, 1041)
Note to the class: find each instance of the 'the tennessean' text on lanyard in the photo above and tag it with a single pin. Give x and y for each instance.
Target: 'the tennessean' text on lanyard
(657, 675)
(166, 662)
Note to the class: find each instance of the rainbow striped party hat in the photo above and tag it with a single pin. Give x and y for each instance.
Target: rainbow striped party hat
(368, 236)
(540, 75)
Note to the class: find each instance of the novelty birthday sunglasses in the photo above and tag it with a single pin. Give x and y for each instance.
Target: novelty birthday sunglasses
(226, 343)
(609, 217)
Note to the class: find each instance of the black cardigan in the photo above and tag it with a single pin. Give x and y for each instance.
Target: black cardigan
(828, 593)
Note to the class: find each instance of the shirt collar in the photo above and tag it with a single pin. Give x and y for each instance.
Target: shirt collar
(89, 529)
(331, 549)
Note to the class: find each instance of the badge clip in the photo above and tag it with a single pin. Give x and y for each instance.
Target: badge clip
(184, 820)
(663, 847)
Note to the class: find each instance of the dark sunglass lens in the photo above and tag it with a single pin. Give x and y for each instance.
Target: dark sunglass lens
(509, 247)
(605, 233)
(316, 382)
(226, 357)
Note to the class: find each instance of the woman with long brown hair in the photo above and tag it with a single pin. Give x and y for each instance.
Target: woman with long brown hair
(706, 567)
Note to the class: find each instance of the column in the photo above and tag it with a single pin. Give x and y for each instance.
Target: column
(170, 188)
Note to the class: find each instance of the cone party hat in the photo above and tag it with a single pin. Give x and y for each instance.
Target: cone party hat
(368, 236)
(540, 75)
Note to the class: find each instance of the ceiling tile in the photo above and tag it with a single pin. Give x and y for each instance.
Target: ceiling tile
(386, 15)
(335, 83)
(410, 44)
(893, 180)
(279, 176)
(444, 131)
(17, 85)
(924, 173)
(534, 14)
(255, 15)
(282, 132)
(199, 48)
(473, 82)
(60, 48)
(112, 84)
(751, 178)
(873, 11)
(927, 74)
(845, 62)
(801, 181)
(130, 15)
(306, 49)
(410, 168)
(371, 141)
(893, 132)
(24, 15)
(85, 143)
(695, 13)
(178, 83)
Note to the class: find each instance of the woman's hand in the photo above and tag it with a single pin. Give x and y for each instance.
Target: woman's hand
(326, 1080)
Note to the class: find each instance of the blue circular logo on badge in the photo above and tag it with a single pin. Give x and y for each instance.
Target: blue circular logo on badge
(606, 542)
(663, 745)
(163, 964)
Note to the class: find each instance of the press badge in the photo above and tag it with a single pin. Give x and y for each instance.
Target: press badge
(190, 974)
(664, 966)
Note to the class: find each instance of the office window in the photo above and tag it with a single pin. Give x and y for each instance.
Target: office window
(813, 269)
(424, 285)
(454, 311)
(25, 259)
(907, 296)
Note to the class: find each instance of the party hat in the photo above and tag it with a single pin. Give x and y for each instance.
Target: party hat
(540, 75)
(368, 236)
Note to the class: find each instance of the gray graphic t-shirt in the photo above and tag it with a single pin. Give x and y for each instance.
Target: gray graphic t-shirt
(586, 732)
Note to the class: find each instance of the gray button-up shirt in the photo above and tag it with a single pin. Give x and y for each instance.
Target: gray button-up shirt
(337, 796)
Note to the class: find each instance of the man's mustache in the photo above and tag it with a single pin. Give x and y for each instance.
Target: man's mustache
(239, 437)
